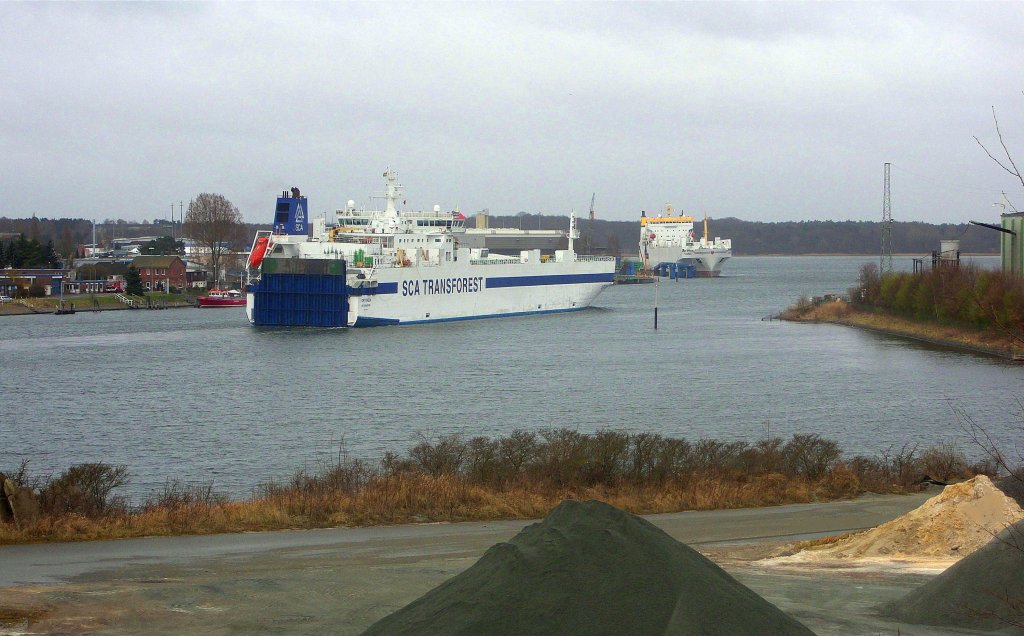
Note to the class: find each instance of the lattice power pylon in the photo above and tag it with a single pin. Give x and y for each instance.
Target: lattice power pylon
(885, 266)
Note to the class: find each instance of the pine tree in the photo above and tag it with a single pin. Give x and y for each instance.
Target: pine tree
(134, 283)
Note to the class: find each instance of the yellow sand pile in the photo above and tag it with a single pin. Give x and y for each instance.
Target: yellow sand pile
(949, 526)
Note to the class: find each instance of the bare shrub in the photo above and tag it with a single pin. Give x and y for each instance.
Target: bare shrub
(644, 454)
(902, 467)
(810, 455)
(443, 457)
(343, 477)
(20, 475)
(673, 456)
(607, 458)
(943, 462)
(515, 453)
(842, 481)
(560, 459)
(483, 464)
(176, 494)
(712, 456)
(394, 464)
(85, 489)
(765, 456)
(872, 473)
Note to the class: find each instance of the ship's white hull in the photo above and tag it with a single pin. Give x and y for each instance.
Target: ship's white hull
(707, 262)
(465, 291)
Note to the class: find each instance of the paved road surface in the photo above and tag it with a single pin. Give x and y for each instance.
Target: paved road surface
(342, 580)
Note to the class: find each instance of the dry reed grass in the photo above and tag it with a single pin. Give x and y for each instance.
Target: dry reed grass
(522, 476)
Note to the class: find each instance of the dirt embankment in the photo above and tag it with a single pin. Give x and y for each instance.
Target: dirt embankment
(989, 342)
(956, 522)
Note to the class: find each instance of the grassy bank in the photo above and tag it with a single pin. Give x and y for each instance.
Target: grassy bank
(92, 302)
(996, 342)
(521, 476)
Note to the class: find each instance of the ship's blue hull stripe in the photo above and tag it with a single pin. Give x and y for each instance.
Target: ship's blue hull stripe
(555, 279)
(381, 288)
(498, 282)
(378, 322)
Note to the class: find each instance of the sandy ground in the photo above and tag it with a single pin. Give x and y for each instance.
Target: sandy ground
(341, 580)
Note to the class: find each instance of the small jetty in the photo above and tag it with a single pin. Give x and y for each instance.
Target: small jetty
(630, 271)
(633, 279)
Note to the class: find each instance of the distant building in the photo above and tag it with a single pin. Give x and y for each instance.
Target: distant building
(160, 273)
(195, 276)
(18, 282)
(97, 275)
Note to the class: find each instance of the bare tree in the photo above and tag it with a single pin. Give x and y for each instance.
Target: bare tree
(1008, 165)
(213, 223)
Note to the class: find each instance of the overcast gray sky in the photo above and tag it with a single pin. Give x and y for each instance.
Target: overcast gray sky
(762, 111)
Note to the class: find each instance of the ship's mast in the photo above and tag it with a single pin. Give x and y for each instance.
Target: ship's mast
(574, 231)
(391, 197)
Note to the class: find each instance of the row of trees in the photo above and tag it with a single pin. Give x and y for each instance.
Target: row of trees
(28, 253)
(212, 221)
(964, 296)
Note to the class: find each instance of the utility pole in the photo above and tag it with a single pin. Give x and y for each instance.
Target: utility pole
(885, 265)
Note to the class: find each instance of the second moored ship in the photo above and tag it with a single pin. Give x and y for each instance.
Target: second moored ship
(669, 240)
(390, 267)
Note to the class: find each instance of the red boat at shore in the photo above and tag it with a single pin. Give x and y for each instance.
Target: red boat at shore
(223, 298)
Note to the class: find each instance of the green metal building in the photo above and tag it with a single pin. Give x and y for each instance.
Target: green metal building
(1011, 243)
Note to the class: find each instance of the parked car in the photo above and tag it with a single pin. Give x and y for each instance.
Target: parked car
(6, 299)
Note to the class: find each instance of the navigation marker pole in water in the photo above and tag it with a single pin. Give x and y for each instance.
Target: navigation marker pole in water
(656, 301)
(647, 271)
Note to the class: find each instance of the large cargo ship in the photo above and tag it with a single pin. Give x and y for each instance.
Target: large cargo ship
(389, 267)
(669, 240)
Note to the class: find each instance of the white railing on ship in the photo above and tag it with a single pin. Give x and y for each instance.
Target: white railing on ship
(595, 258)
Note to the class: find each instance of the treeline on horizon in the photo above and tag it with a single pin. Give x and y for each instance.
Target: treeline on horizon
(749, 238)
(754, 238)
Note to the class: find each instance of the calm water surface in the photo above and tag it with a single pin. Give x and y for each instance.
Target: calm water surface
(199, 395)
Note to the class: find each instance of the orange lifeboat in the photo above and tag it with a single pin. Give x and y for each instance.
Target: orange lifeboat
(258, 251)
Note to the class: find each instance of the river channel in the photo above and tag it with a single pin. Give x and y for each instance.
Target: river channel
(198, 395)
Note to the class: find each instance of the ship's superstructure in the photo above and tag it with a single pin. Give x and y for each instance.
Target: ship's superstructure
(390, 266)
(669, 239)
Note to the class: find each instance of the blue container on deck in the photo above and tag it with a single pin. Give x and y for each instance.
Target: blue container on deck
(290, 295)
